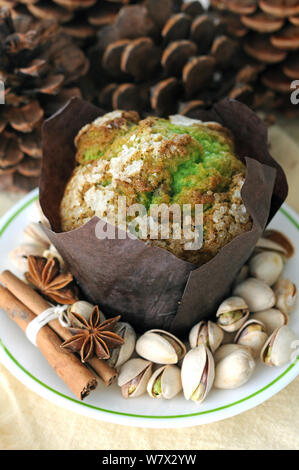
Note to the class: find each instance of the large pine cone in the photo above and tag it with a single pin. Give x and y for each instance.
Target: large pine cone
(38, 67)
(172, 56)
(271, 38)
(79, 18)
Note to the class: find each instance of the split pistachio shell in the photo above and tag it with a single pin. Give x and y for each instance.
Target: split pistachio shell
(280, 240)
(256, 293)
(265, 244)
(266, 266)
(272, 318)
(165, 382)
(207, 333)
(35, 234)
(120, 355)
(160, 347)
(134, 376)
(279, 347)
(198, 373)
(20, 254)
(234, 369)
(286, 295)
(252, 335)
(232, 314)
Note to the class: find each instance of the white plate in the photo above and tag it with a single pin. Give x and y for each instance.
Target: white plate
(25, 362)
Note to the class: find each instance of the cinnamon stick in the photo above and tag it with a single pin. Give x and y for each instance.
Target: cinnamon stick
(37, 304)
(68, 367)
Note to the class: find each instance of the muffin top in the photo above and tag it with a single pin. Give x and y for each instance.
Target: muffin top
(154, 161)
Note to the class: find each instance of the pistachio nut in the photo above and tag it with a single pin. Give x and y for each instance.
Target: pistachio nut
(198, 372)
(208, 333)
(252, 335)
(134, 376)
(234, 369)
(272, 318)
(279, 347)
(286, 295)
(121, 355)
(266, 266)
(232, 314)
(165, 382)
(256, 293)
(161, 347)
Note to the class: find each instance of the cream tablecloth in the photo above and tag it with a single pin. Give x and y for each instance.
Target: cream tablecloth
(30, 422)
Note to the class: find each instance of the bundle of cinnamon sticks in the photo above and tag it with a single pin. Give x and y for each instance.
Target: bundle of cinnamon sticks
(22, 304)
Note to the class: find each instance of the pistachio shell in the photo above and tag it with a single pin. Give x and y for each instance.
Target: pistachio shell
(286, 295)
(256, 293)
(266, 266)
(234, 370)
(171, 383)
(264, 244)
(227, 349)
(242, 275)
(158, 346)
(35, 234)
(272, 318)
(19, 255)
(83, 308)
(131, 370)
(282, 344)
(120, 355)
(281, 240)
(252, 338)
(195, 363)
(51, 252)
(41, 215)
(208, 333)
(232, 304)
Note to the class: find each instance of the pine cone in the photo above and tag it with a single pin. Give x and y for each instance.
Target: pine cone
(38, 67)
(271, 38)
(170, 56)
(79, 18)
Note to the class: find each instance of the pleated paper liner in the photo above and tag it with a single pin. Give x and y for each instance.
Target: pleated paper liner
(148, 286)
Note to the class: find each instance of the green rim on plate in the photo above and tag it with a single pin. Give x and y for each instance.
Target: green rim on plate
(15, 361)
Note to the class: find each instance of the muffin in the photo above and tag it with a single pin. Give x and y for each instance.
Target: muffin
(154, 160)
(158, 161)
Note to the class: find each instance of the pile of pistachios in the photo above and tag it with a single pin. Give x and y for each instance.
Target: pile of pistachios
(250, 325)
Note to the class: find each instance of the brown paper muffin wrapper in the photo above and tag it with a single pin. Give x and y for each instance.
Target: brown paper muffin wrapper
(149, 286)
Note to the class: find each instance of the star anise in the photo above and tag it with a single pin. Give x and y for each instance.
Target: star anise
(92, 337)
(45, 275)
